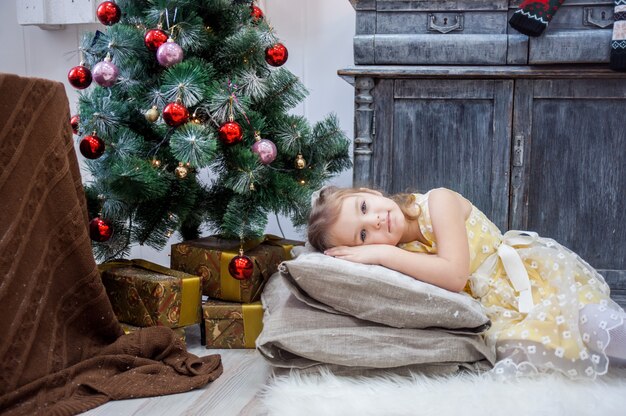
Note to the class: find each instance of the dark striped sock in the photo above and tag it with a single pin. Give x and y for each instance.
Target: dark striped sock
(618, 43)
(533, 16)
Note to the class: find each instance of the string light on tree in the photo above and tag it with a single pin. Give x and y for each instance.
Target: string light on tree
(100, 229)
(79, 76)
(105, 73)
(276, 55)
(92, 146)
(241, 267)
(156, 163)
(198, 117)
(108, 13)
(74, 122)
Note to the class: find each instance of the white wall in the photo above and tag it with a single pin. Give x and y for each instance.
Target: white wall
(317, 33)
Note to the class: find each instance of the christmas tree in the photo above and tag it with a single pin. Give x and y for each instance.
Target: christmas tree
(183, 85)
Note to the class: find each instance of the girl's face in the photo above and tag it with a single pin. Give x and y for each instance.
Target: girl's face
(368, 218)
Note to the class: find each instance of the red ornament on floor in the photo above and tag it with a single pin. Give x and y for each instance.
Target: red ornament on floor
(79, 77)
(92, 146)
(175, 114)
(230, 133)
(241, 267)
(74, 121)
(108, 13)
(155, 38)
(100, 230)
(276, 55)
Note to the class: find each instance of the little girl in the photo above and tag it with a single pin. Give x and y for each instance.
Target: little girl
(549, 309)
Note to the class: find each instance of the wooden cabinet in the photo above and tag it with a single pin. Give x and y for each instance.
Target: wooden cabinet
(536, 148)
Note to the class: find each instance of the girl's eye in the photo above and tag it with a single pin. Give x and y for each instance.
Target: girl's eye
(363, 207)
(363, 236)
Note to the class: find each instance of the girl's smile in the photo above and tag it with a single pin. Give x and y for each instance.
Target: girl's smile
(367, 218)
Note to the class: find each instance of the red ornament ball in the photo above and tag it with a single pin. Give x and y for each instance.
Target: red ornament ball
(79, 77)
(155, 38)
(241, 267)
(257, 13)
(108, 13)
(230, 133)
(74, 121)
(276, 55)
(175, 114)
(92, 146)
(100, 230)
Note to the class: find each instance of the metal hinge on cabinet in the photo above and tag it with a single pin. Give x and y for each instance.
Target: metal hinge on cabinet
(518, 151)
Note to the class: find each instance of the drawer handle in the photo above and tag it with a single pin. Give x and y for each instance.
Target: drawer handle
(603, 23)
(445, 28)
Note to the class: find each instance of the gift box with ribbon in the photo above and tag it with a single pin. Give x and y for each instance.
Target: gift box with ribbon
(231, 325)
(209, 258)
(147, 294)
(180, 332)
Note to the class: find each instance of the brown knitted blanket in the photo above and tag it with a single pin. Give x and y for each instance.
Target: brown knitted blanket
(62, 350)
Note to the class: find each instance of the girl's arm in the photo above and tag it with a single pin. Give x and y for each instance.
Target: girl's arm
(449, 268)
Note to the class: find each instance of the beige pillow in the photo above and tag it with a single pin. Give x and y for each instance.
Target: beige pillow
(296, 335)
(379, 294)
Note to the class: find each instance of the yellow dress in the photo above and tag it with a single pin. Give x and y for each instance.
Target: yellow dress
(546, 328)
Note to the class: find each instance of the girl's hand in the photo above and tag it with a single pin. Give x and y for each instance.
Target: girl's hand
(366, 254)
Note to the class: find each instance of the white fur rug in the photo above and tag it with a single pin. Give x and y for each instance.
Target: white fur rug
(465, 395)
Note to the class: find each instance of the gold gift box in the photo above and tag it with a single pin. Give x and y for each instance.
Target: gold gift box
(232, 325)
(180, 332)
(147, 294)
(209, 258)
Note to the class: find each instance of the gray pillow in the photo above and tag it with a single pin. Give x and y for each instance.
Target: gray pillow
(296, 335)
(379, 294)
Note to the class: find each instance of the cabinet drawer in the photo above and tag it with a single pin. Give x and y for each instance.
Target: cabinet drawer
(579, 33)
(431, 32)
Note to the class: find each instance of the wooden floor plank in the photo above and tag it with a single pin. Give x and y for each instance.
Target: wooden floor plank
(245, 372)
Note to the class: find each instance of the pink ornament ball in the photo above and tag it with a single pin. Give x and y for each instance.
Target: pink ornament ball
(105, 73)
(170, 53)
(266, 149)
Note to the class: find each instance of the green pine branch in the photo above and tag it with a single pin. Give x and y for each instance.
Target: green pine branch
(138, 183)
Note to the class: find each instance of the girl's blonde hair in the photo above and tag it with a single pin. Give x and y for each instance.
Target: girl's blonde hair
(326, 208)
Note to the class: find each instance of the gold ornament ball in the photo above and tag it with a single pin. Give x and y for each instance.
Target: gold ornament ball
(152, 114)
(300, 162)
(181, 171)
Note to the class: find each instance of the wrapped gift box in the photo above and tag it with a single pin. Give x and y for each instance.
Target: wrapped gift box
(232, 325)
(180, 332)
(147, 294)
(209, 258)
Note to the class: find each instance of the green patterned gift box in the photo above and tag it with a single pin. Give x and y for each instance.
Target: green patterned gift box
(147, 294)
(209, 258)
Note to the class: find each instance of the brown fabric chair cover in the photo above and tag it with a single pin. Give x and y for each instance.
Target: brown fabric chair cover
(62, 350)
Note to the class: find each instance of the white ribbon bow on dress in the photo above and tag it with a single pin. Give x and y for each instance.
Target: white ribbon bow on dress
(513, 265)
